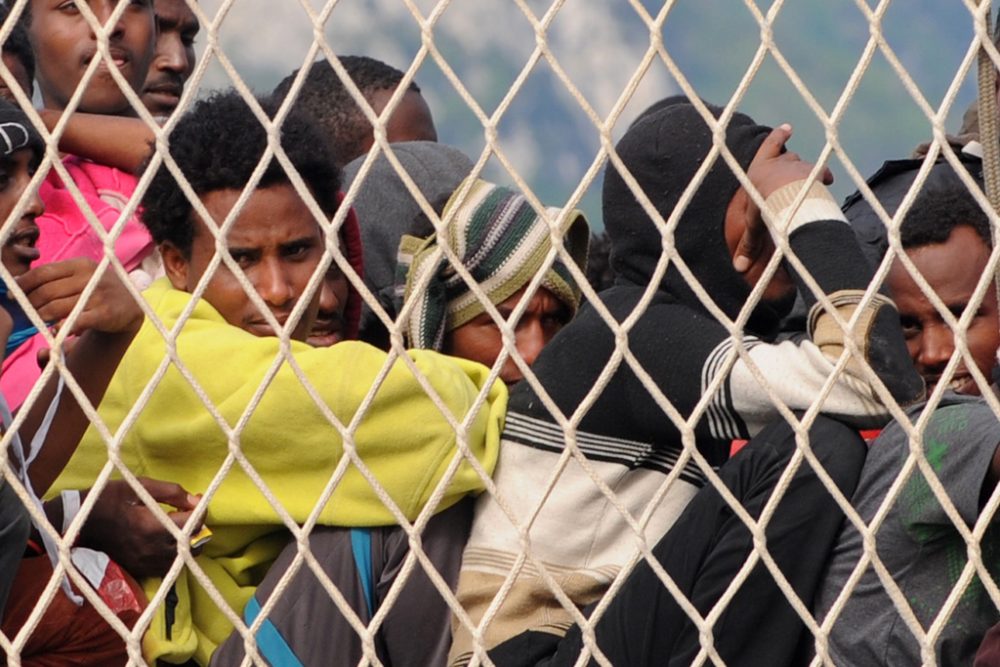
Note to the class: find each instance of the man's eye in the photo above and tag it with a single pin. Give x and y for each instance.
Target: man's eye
(243, 259)
(553, 323)
(298, 250)
(68, 7)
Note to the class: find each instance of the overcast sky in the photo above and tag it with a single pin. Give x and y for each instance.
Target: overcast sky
(600, 44)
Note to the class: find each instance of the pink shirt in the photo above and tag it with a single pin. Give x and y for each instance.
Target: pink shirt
(66, 233)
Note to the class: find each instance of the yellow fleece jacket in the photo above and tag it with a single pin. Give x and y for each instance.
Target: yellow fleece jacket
(402, 438)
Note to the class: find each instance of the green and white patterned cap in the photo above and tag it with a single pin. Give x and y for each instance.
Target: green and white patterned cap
(502, 242)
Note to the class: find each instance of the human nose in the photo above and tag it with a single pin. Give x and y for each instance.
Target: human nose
(273, 284)
(35, 206)
(171, 55)
(104, 11)
(937, 344)
(530, 340)
(327, 299)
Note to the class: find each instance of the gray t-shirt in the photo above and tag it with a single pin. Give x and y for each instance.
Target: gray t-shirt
(918, 543)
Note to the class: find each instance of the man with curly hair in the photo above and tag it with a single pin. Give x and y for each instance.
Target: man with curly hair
(235, 390)
(326, 99)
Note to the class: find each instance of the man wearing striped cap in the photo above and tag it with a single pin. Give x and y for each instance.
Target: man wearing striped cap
(502, 242)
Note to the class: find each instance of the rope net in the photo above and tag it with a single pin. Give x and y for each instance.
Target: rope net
(542, 518)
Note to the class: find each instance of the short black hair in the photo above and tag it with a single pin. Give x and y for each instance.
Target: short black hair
(327, 101)
(937, 212)
(217, 146)
(17, 43)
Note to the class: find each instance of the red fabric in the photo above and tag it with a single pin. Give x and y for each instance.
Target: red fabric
(350, 236)
(68, 634)
(867, 436)
(988, 654)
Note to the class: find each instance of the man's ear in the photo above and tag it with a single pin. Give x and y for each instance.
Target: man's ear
(176, 265)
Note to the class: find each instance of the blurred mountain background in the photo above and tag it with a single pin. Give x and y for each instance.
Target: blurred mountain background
(600, 44)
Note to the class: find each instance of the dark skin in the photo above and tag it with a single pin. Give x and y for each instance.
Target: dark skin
(16, 68)
(174, 60)
(104, 130)
(123, 142)
(328, 329)
(277, 259)
(106, 327)
(771, 169)
(481, 340)
(65, 45)
(119, 523)
(410, 121)
(19, 251)
(116, 141)
(953, 270)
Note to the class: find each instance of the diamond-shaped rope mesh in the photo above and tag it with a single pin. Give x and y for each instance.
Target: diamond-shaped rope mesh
(633, 520)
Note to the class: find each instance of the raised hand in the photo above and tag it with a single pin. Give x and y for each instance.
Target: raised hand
(772, 168)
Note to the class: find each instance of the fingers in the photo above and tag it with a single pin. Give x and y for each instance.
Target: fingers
(54, 293)
(55, 310)
(48, 273)
(169, 493)
(775, 142)
(750, 246)
(826, 176)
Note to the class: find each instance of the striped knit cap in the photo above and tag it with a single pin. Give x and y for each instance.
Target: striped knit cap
(502, 242)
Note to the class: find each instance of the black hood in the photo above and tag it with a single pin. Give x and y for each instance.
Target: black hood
(663, 150)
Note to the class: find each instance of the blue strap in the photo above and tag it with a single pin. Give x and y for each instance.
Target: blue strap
(270, 644)
(361, 547)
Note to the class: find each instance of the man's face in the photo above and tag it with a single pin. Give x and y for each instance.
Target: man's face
(19, 251)
(480, 339)
(952, 269)
(276, 242)
(174, 59)
(16, 69)
(411, 120)
(329, 326)
(64, 46)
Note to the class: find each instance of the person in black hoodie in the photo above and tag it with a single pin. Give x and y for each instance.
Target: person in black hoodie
(629, 427)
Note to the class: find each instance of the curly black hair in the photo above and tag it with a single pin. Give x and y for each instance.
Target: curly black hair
(17, 43)
(937, 212)
(325, 99)
(217, 146)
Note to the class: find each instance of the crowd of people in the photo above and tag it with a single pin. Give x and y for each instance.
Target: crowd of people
(301, 407)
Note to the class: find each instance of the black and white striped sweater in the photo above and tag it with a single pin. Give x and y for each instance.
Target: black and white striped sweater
(610, 466)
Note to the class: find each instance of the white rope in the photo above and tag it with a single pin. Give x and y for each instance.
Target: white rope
(622, 358)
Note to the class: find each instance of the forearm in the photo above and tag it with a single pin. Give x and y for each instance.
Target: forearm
(123, 143)
(92, 362)
(829, 251)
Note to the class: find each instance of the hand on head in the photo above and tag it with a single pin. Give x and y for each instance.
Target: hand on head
(770, 170)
